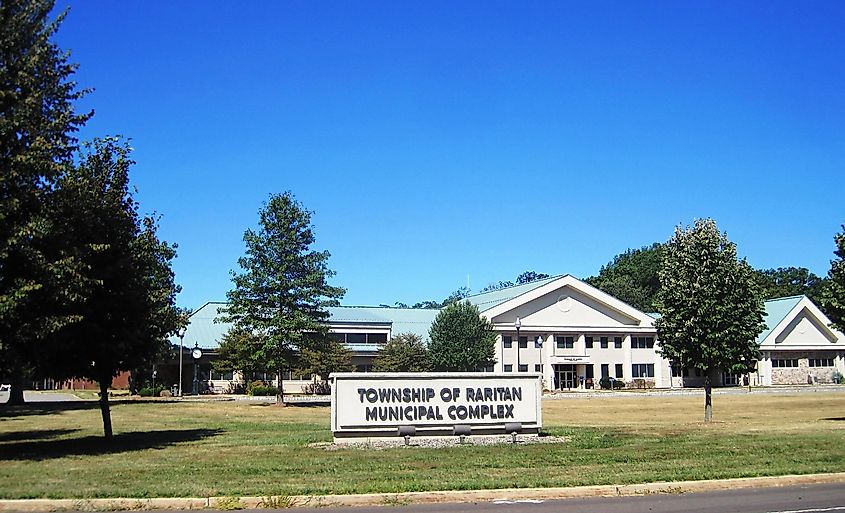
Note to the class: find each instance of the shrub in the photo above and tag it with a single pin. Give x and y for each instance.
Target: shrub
(258, 388)
(606, 383)
(642, 383)
(165, 393)
(318, 388)
(837, 377)
(150, 392)
(235, 388)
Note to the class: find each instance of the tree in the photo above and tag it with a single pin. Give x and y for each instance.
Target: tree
(238, 350)
(632, 276)
(124, 318)
(833, 295)
(711, 312)
(37, 122)
(405, 352)
(281, 293)
(461, 293)
(324, 357)
(461, 339)
(789, 281)
(529, 276)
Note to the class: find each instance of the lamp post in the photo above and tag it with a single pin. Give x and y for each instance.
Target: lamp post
(517, 325)
(181, 335)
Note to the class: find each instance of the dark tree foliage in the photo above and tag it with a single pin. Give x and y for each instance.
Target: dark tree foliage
(711, 311)
(281, 293)
(238, 350)
(37, 123)
(833, 295)
(125, 316)
(461, 339)
(789, 281)
(405, 352)
(323, 357)
(530, 276)
(632, 276)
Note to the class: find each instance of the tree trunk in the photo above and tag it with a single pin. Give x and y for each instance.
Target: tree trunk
(17, 381)
(280, 395)
(104, 408)
(708, 398)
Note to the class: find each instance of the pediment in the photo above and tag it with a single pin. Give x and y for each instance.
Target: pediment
(804, 328)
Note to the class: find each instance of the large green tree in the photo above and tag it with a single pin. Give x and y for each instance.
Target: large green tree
(405, 352)
(281, 292)
(37, 123)
(323, 357)
(833, 295)
(632, 276)
(711, 312)
(123, 319)
(461, 339)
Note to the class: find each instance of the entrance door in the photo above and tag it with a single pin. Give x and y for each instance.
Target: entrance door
(566, 376)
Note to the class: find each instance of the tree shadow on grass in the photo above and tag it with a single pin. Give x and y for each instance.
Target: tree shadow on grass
(50, 407)
(35, 434)
(839, 419)
(96, 445)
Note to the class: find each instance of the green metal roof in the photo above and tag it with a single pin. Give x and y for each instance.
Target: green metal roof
(488, 300)
(776, 311)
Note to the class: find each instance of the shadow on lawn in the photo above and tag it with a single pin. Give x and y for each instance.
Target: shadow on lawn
(35, 434)
(49, 407)
(96, 445)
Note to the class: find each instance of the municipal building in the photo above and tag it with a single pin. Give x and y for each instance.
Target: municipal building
(570, 332)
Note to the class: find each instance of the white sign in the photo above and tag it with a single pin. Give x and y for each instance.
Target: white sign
(377, 404)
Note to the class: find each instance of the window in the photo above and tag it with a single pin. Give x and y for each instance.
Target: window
(617, 342)
(523, 342)
(363, 368)
(290, 376)
(221, 375)
(523, 367)
(507, 340)
(538, 367)
(588, 341)
(603, 342)
(642, 370)
(618, 371)
(642, 342)
(821, 362)
(377, 338)
(605, 370)
(565, 342)
(356, 338)
(508, 367)
(678, 371)
(488, 369)
(360, 338)
(784, 363)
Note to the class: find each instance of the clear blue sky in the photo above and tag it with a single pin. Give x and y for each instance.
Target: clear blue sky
(446, 142)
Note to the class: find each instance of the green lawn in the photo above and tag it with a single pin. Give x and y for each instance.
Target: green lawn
(238, 449)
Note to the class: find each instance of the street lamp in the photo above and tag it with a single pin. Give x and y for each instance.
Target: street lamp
(181, 335)
(517, 325)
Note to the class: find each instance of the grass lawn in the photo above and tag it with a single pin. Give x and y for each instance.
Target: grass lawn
(239, 449)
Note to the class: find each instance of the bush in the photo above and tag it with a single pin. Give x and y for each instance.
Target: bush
(606, 383)
(150, 392)
(642, 383)
(259, 388)
(235, 388)
(318, 388)
(165, 393)
(837, 377)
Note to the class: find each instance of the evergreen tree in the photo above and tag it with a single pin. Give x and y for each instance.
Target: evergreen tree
(281, 293)
(37, 122)
(461, 339)
(711, 312)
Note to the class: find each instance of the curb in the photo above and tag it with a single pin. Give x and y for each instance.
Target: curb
(434, 497)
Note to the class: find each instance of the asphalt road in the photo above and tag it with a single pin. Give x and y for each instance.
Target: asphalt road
(828, 498)
(40, 397)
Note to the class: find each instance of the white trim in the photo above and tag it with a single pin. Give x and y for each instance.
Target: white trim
(769, 343)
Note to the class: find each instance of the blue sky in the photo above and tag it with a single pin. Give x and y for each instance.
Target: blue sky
(446, 143)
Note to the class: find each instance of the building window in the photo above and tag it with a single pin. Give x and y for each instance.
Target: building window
(488, 369)
(217, 375)
(363, 368)
(603, 342)
(538, 367)
(782, 363)
(678, 371)
(356, 338)
(523, 342)
(565, 342)
(507, 340)
(588, 342)
(605, 370)
(377, 338)
(617, 342)
(642, 342)
(360, 338)
(642, 370)
(618, 371)
(508, 367)
(523, 367)
(821, 362)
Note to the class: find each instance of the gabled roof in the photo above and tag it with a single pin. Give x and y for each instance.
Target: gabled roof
(487, 300)
(402, 320)
(202, 330)
(776, 311)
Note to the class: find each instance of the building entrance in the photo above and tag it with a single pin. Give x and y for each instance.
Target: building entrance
(567, 378)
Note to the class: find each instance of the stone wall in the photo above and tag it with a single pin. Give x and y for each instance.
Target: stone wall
(798, 375)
